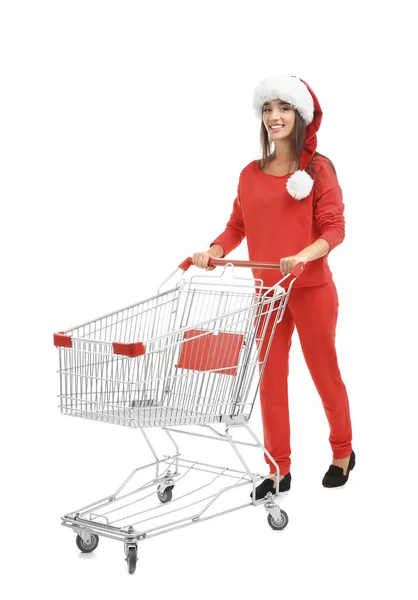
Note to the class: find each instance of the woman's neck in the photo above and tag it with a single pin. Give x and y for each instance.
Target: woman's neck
(283, 153)
(284, 161)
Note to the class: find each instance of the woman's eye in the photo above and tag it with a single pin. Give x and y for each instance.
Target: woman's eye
(281, 108)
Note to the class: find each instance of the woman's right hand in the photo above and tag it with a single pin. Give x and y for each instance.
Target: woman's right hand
(201, 259)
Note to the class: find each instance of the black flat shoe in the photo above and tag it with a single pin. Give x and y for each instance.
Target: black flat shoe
(335, 477)
(267, 486)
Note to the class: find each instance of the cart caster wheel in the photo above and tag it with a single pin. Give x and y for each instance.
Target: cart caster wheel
(281, 524)
(87, 547)
(132, 558)
(166, 495)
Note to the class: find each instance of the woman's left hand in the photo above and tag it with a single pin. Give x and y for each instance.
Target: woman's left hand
(289, 262)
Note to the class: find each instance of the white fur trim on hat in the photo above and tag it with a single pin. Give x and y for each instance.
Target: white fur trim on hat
(287, 88)
(299, 184)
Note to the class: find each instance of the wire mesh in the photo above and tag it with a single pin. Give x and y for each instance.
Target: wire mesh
(202, 342)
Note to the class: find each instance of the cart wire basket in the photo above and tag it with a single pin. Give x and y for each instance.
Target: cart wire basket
(192, 355)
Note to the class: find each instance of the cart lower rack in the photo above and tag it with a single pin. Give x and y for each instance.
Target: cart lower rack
(192, 355)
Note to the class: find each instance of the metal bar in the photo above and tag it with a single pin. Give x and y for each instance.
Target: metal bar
(136, 304)
(221, 438)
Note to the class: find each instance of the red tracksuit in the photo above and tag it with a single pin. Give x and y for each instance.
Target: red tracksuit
(277, 225)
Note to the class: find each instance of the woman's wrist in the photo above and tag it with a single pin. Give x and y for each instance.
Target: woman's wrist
(316, 250)
(303, 257)
(216, 251)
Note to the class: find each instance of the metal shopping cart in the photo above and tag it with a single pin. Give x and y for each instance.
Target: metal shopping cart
(192, 355)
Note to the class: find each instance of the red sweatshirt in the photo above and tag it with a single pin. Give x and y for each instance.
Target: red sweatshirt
(277, 225)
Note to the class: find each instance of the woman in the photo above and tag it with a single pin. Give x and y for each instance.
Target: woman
(289, 206)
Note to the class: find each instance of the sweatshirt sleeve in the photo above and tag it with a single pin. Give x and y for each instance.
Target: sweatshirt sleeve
(329, 209)
(234, 231)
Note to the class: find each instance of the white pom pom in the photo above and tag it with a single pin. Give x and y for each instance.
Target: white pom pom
(299, 185)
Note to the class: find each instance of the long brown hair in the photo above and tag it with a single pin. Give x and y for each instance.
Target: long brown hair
(298, 137)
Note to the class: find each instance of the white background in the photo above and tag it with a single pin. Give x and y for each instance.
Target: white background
(124, 127)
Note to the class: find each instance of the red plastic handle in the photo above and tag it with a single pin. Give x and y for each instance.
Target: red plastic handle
(186, 264)
(215, 262)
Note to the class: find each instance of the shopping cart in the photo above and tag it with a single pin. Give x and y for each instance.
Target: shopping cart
(193, 355)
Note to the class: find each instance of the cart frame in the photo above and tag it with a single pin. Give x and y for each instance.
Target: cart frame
(93, 520)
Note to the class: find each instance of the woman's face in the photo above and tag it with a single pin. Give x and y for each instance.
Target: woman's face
(278, 118)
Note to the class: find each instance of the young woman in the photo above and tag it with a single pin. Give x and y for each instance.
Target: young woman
(289, 206)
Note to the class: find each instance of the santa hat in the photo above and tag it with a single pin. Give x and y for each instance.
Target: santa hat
(298, 93)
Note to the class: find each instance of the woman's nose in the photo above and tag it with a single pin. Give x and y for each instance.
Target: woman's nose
(276, 115)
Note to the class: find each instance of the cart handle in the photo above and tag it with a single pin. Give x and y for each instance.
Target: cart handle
(215, 262)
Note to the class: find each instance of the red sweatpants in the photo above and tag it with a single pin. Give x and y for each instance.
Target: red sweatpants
(314, 311)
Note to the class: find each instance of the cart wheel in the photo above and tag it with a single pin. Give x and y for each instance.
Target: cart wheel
(167, 494)
(132, 558)
(281, 524)
(87, 547)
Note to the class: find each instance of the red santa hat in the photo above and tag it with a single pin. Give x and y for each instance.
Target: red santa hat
(297, 92)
